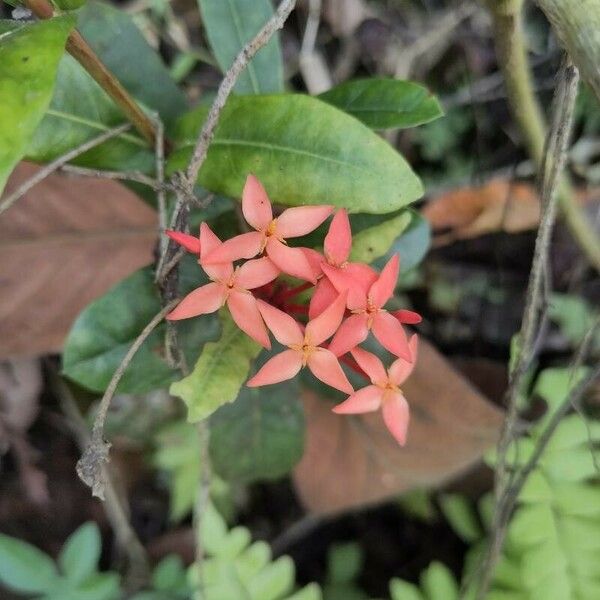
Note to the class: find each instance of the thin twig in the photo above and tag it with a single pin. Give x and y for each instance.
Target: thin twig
(90, 466)
(115, 506)
(312, 65)
(134, 176)
(58, 163)
(161, 197)
(552, 167)
(89, 60)
(239, 64)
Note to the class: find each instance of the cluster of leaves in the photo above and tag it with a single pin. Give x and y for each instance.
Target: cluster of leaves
(234, 568)
(552, 547)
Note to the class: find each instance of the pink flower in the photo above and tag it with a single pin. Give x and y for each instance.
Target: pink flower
(189, 242)
(271, 233)
(369, 314)
(303, 347)
(384, 392)
(229, 287)
(337, 245)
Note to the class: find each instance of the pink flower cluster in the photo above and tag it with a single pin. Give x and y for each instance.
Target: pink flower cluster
(347, 303)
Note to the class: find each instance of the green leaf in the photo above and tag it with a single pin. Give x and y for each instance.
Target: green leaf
(105, 330)
(80, 554)
(344, 562)
(219, 373)
(309, 592)
(81, 110)
(385, 103)
(100, 586)
(439, 583)
(25, 568)
(170, 576)
(462, 517)
(403, 590)
(116, 39)
(376, 241)
(304, 151)
(230, 25)
(29, 57)
(259, 436)
(275, 580)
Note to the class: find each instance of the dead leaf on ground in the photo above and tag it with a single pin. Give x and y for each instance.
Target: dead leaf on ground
(353, 461)
(63, 245)
(474, 211)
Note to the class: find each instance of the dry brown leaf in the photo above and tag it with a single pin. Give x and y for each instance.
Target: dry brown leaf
(352, 461)
(474, 211)
(62, 245)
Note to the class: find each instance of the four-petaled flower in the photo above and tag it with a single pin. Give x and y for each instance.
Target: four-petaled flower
(303, 347)
(384, 393)
(229, 286)
(369, 314)
(337, 246)
(271, 233)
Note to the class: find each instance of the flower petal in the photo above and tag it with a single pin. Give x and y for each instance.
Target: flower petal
(401, 369)
(326, 324)
(396, 415)
(409, 317)
(256, 205)
(246, 245)
(371, 365)
(342, 281)
(256, 273)
(300, 220)
(352, 332)
(325, 366)
(286, 329)
(315, 260)
(322, 297)
(189, 242)
(209, 242)
(290, 260)
(367, 399)
(363, 274)
(282, 366)
(245, 313)
(201, 301)
(381, 291)
(338, 240)
(391, 335)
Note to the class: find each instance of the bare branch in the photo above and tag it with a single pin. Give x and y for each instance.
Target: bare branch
(58, 163)
(90, 466)
(552, 167)
(134, 176)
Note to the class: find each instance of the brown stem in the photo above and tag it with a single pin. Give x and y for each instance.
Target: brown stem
(82, 52)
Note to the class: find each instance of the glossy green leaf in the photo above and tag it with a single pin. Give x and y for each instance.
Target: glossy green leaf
(304, 151)
(81, 110)
(385, 103)
(219, 373)
(230, 25)
(104, 331)
(260, 435)
(24, 568)
(29, 57)
(79, 556)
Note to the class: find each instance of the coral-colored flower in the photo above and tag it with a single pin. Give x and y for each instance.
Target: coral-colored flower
(385, 392)
(369, 314)
(271, 233)
(229, 286)
(303, 347)
(337, 246)
(410, 317)
(189, 242)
